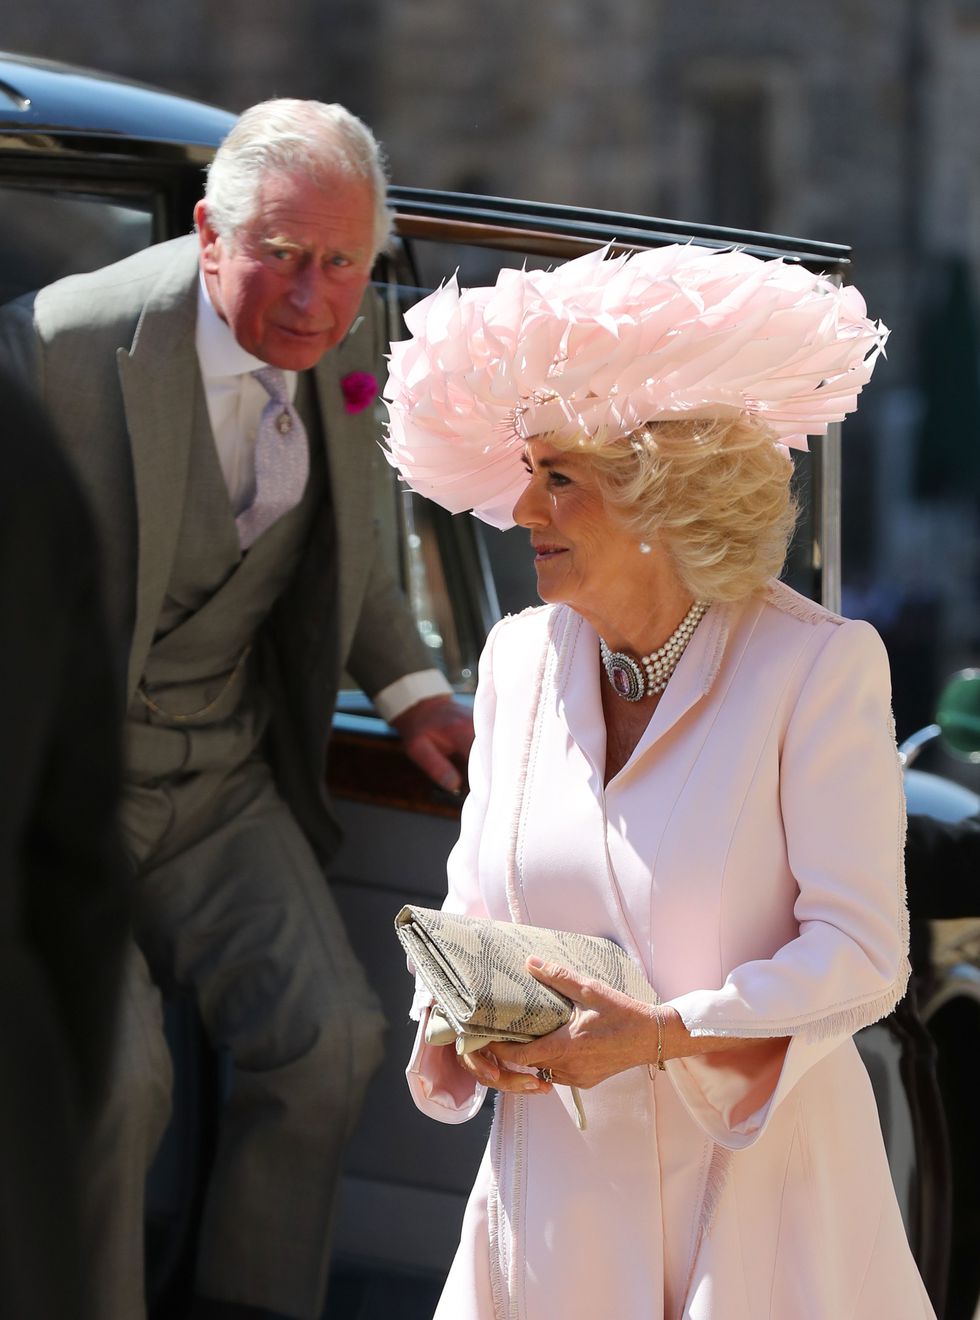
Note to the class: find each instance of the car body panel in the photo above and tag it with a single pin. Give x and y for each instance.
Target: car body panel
(47, 107)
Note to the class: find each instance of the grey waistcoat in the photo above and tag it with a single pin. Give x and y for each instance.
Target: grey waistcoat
(199, 665)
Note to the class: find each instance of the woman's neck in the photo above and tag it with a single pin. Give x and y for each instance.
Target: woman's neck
(641, 620)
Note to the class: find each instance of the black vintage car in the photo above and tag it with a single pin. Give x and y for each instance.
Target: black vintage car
(93, 168)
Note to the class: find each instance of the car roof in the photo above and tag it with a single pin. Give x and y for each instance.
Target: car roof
(49, 107)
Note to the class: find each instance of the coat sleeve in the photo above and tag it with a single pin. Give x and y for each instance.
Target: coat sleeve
(386, 645)
(439, 1087)
(843, 813)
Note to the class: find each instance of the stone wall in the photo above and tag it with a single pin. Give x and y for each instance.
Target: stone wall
(860, 115)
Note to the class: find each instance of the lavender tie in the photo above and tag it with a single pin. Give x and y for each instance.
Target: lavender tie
(282, 460)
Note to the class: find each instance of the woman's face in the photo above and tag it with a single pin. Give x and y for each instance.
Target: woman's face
(583, 555)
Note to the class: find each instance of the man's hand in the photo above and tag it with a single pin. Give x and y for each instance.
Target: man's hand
(437, 732)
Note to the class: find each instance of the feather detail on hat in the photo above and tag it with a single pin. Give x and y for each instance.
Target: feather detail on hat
(602, 345)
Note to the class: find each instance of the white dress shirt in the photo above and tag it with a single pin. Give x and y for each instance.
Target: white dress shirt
(235, 402)
(235, 399)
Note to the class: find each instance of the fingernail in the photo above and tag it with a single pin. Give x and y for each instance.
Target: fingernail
(535, 961)
(529, 1084)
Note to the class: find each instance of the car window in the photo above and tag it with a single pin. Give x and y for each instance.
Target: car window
(432, 262)
(48, 233)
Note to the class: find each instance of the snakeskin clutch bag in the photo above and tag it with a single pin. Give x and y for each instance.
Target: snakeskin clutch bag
(475, 970)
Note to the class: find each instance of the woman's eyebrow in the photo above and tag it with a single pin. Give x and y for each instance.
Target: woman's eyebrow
(560, 460)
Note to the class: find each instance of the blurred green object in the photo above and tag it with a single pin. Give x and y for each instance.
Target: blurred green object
(958, 715)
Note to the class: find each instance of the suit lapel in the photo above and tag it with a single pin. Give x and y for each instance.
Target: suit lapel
(693, 679)
(163, 399)
(351, 441)
(721, 636)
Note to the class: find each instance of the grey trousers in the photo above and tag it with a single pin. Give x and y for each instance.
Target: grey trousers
(234, 906)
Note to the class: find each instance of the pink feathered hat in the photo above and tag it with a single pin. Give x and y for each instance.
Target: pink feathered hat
(604, 344)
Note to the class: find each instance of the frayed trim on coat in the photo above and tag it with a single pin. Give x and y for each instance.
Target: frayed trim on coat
(719, 1171)
(903, 825)
(715, 1182)
(515, 905)
(849, 1020)
(788, 601)
(842, 1022)
(497, 1243)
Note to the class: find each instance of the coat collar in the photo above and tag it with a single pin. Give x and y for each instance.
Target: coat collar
(579, 676)
(351, 441)
(155, 374)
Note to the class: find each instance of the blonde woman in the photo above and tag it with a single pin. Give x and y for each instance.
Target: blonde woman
(680, 753)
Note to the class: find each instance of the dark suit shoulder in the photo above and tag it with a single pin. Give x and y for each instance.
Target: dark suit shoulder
(42, 513)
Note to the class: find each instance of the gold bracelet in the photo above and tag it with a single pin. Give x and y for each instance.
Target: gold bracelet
(661, 1066)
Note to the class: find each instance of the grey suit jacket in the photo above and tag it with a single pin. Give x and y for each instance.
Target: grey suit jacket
(112, 356)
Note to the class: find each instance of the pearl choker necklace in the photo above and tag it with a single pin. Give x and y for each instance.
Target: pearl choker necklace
(635, 679)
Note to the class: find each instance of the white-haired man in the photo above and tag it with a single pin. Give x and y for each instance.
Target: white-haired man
(236, 517)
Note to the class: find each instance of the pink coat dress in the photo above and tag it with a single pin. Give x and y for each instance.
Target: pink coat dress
(750, 854)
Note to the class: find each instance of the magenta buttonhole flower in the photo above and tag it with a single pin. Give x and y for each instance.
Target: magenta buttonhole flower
(359, 388)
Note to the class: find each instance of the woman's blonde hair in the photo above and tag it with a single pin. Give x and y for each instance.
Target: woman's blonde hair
(715, 492)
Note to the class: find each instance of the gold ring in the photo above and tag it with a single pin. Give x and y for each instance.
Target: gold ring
(546, 1074)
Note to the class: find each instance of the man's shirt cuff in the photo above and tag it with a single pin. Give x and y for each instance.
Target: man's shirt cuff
(406, 691)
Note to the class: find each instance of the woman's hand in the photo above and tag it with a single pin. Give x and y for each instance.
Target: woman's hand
(484, 1067)
(608, 1032)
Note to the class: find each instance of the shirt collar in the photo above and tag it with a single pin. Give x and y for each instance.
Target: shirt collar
(218, 351)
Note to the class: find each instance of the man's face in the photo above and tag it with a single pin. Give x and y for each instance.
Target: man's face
(584, 555)
(289, 281)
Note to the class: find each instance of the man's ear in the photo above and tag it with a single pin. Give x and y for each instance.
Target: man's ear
(208, 237)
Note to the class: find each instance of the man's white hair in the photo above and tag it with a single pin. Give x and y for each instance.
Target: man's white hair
(287, 136)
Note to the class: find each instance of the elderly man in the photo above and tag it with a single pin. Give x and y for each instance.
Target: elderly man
(205, 391)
